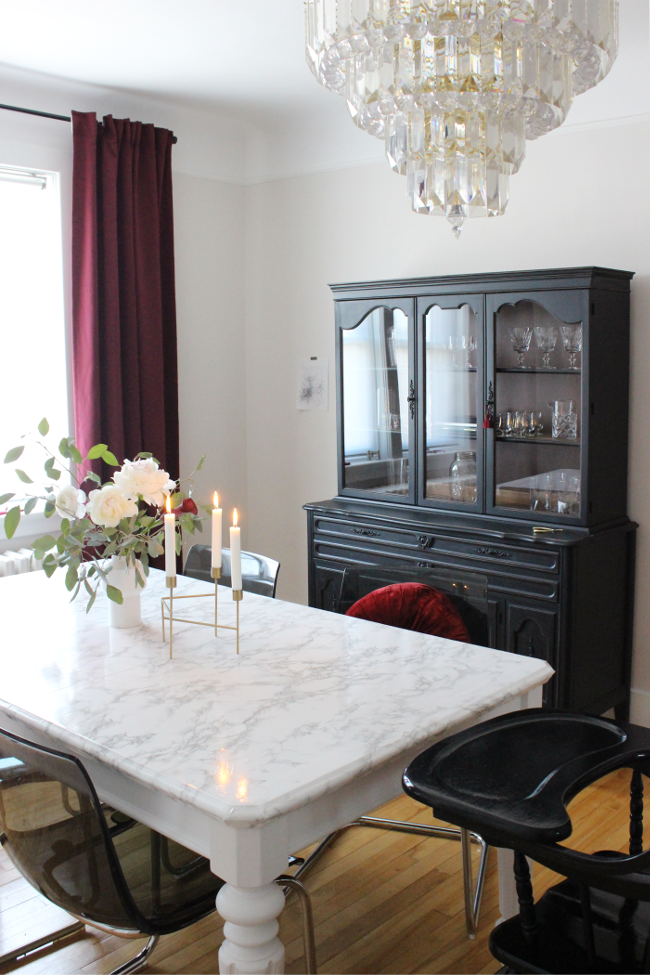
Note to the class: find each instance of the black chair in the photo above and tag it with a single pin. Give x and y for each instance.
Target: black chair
(468, 592)
(259, 574)
(511, 778)
(99, 865)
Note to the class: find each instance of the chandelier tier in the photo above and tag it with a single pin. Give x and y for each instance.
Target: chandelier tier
(455, 87)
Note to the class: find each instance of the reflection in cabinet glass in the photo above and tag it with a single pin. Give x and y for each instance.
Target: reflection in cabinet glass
(538, 406)
(375, 397)
(451, 348)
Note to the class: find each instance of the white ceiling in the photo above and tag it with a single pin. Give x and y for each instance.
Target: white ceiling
(243, 61)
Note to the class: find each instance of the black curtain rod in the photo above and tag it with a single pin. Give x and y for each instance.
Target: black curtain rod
(60, 118)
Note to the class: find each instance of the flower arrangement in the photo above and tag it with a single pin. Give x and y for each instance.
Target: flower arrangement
(122, 517)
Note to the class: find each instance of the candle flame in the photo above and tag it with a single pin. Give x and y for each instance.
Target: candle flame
(234, 518)
(215, 499)
(168, 504)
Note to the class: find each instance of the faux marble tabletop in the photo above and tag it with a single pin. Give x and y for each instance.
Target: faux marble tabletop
(312, 700)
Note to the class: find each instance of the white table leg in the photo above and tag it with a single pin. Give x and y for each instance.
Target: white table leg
(251, 945)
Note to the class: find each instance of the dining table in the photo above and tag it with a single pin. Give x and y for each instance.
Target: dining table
(243, 757)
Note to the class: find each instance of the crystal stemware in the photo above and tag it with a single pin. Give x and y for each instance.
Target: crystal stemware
(572, 342)
(535, 424)
(546, 337)
(520, 338)
(468, 343)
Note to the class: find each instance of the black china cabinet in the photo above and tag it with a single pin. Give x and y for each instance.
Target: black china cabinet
(483, 425)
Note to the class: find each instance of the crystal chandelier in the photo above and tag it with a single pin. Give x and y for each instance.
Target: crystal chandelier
(455, 87)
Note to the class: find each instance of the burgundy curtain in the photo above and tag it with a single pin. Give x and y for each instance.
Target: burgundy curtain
(125, 375)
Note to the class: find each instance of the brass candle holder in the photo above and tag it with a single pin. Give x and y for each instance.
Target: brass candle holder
(167, 609)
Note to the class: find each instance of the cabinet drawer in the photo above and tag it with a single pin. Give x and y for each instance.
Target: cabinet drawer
(402, 538)
(436, 544)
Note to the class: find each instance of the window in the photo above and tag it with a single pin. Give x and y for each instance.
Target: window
(32, 328)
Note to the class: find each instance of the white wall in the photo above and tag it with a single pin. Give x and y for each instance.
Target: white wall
(578, 200)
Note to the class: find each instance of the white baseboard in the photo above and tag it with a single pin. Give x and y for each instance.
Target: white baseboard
(640, 707)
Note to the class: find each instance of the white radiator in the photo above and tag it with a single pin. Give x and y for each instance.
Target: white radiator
(13, 563)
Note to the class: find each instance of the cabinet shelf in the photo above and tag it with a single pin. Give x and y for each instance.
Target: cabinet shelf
(538, 372)
(555, 441)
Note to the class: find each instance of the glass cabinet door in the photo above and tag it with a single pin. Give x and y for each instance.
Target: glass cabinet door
(539, 418)
(450, 413)
(377, 397)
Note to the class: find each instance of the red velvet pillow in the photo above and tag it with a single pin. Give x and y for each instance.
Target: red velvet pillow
(412, 606)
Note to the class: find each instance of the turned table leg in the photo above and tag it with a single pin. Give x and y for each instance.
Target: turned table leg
(251, 945)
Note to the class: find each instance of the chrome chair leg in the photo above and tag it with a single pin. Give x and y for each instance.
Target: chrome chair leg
(48, 939)
(288, 885)
(140, 960)
(472, 897)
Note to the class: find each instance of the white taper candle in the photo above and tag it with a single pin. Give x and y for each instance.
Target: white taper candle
(170, 542)
(216, 533)
(235, 554)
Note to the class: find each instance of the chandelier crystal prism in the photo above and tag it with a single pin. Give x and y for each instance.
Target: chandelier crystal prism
(455, 87)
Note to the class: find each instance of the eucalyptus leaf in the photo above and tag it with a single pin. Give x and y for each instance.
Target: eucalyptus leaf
(75, 453)
(49, 509)
(25, 478)
(12, 520)
(55, 474)
(45, 543)
(71, 578)
(91, 476)
(91, 601)
(179, 543)
(97, 451)
(6, 497)
(75, 593)
(64, 447)
(65, 524)
(30, 505)
(44, 427)
(114, 594)
(13, 454)
(200, 463)
(49, 569)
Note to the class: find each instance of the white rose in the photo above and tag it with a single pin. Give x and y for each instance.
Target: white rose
(108, 506)
(145, 479)
(71, 502)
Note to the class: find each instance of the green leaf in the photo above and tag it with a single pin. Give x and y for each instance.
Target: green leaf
(25, 478)
(75, 453)
(71, 578)
(76, 592)
(179, 543)
(45, 543)
(49, 568)
(49, 509)
(200, 463)
(6, 497)
(97, 451)
(64, 447)
(154, 549)
(13, 454)
(44, 427)
(65, 524)
(12, 520)
(31, 504)
(144, 454)
(91, 476)
(55, 475)
(114, 594)
(89, 605)
(110, 459)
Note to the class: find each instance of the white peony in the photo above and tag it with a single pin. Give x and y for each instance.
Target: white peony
(145, 479)
(108, 506)
(70, 502)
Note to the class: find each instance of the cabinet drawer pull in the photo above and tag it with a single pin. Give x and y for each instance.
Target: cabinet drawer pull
(366, 531)
(497, 553)
(426, 565)
(425, 541)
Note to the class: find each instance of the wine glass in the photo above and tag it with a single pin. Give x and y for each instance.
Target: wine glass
(546, 337)
(468, 343)
(520, 338)
(572, 342)
(455, 344)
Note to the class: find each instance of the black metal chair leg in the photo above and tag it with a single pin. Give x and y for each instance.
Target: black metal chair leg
(636, 814)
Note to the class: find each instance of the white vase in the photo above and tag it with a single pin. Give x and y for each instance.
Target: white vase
(129, 613)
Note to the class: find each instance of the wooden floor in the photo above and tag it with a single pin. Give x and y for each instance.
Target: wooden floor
(383, 902)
